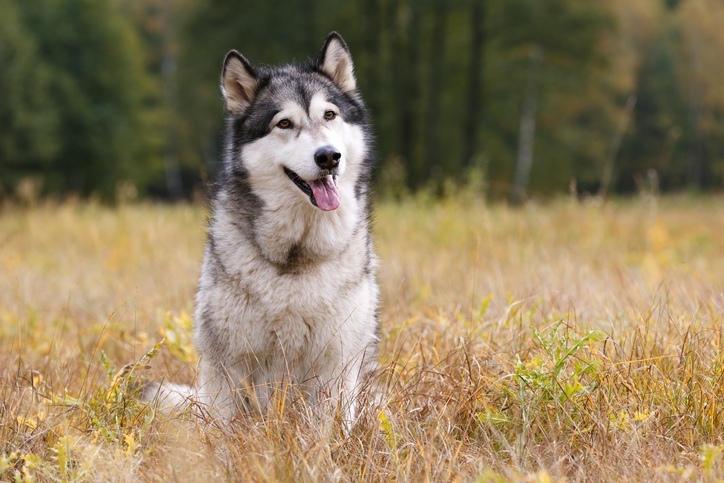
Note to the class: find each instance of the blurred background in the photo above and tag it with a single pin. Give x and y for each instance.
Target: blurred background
(515, 98)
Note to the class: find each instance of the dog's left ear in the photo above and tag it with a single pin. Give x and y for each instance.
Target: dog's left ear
(239, 81)
(335, 60)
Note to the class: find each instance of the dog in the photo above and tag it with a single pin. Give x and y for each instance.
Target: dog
(287, 295)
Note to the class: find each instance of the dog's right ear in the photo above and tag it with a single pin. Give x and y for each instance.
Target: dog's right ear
(238, 82)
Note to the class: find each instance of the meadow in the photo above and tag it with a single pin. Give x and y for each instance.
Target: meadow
(557, 341)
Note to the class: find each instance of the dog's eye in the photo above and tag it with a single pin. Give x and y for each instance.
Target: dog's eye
(284, 124)
(329, 115)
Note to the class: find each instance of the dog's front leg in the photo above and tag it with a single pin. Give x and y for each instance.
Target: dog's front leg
(218, 389)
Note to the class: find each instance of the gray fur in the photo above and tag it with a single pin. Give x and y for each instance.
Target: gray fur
(287, 291)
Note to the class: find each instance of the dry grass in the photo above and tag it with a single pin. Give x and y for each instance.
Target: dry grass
(554, 342)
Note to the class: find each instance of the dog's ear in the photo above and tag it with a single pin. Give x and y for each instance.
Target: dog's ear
(335, 60)
(238, 82)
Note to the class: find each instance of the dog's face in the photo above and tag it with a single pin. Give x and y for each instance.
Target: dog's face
(298, 132)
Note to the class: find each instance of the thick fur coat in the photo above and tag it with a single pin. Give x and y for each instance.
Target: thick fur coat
(287, 292)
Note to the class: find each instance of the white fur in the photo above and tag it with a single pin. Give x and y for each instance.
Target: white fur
(290, 216)
(314, 328)
(287, 292)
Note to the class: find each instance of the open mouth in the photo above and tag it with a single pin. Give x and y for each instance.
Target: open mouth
(322, 192)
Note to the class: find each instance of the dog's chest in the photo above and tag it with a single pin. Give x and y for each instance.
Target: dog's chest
(293, 310)
(298, 306)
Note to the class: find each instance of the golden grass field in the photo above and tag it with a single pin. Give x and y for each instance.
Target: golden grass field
(553, 342)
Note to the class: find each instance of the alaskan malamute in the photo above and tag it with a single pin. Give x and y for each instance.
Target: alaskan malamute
(287, 292)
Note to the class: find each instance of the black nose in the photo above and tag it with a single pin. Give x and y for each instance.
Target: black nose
(327, 157)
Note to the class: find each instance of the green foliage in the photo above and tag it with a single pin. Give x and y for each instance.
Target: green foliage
(101, 96)
(557, 373)
(29, 136)
(112, 410)
(418, 90)
(79, 64)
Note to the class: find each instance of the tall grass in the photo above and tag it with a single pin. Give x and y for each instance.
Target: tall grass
(552, 342)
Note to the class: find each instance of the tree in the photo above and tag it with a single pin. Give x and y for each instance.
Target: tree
(475, 86)
(104, 91)
(571, 111)
(99, 94)
(28, 120)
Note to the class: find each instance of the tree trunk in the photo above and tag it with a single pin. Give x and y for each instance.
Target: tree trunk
(695, 165)
(615, 145)
(475, 85)
(372, 68)
(169, 64)
(409, 95)
(437, 63)
(526, 138)
(308, 15)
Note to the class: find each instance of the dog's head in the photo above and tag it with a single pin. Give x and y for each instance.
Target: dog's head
(298, 132)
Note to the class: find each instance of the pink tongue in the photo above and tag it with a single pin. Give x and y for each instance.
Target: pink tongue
(325, 193)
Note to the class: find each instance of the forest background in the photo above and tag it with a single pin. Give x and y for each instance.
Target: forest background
(517, 98)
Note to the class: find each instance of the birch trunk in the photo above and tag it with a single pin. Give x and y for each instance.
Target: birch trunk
(526, 139)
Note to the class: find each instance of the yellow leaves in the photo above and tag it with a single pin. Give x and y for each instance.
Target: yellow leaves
(9, 462)
(178, 334)
(491, 476)
(535, 363)
(641, 416)
(128, 370)
(625, 421)
(131, 444)
(710, 455)
(71, 458)
(386, 426)
(25, 477)
(36, 379)
(573, 388)
(142, 337)
(62, 449)
(540, 477)
(6, 461)
(392, 437)
(484, 306)
(32, 422)
(122, 374)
